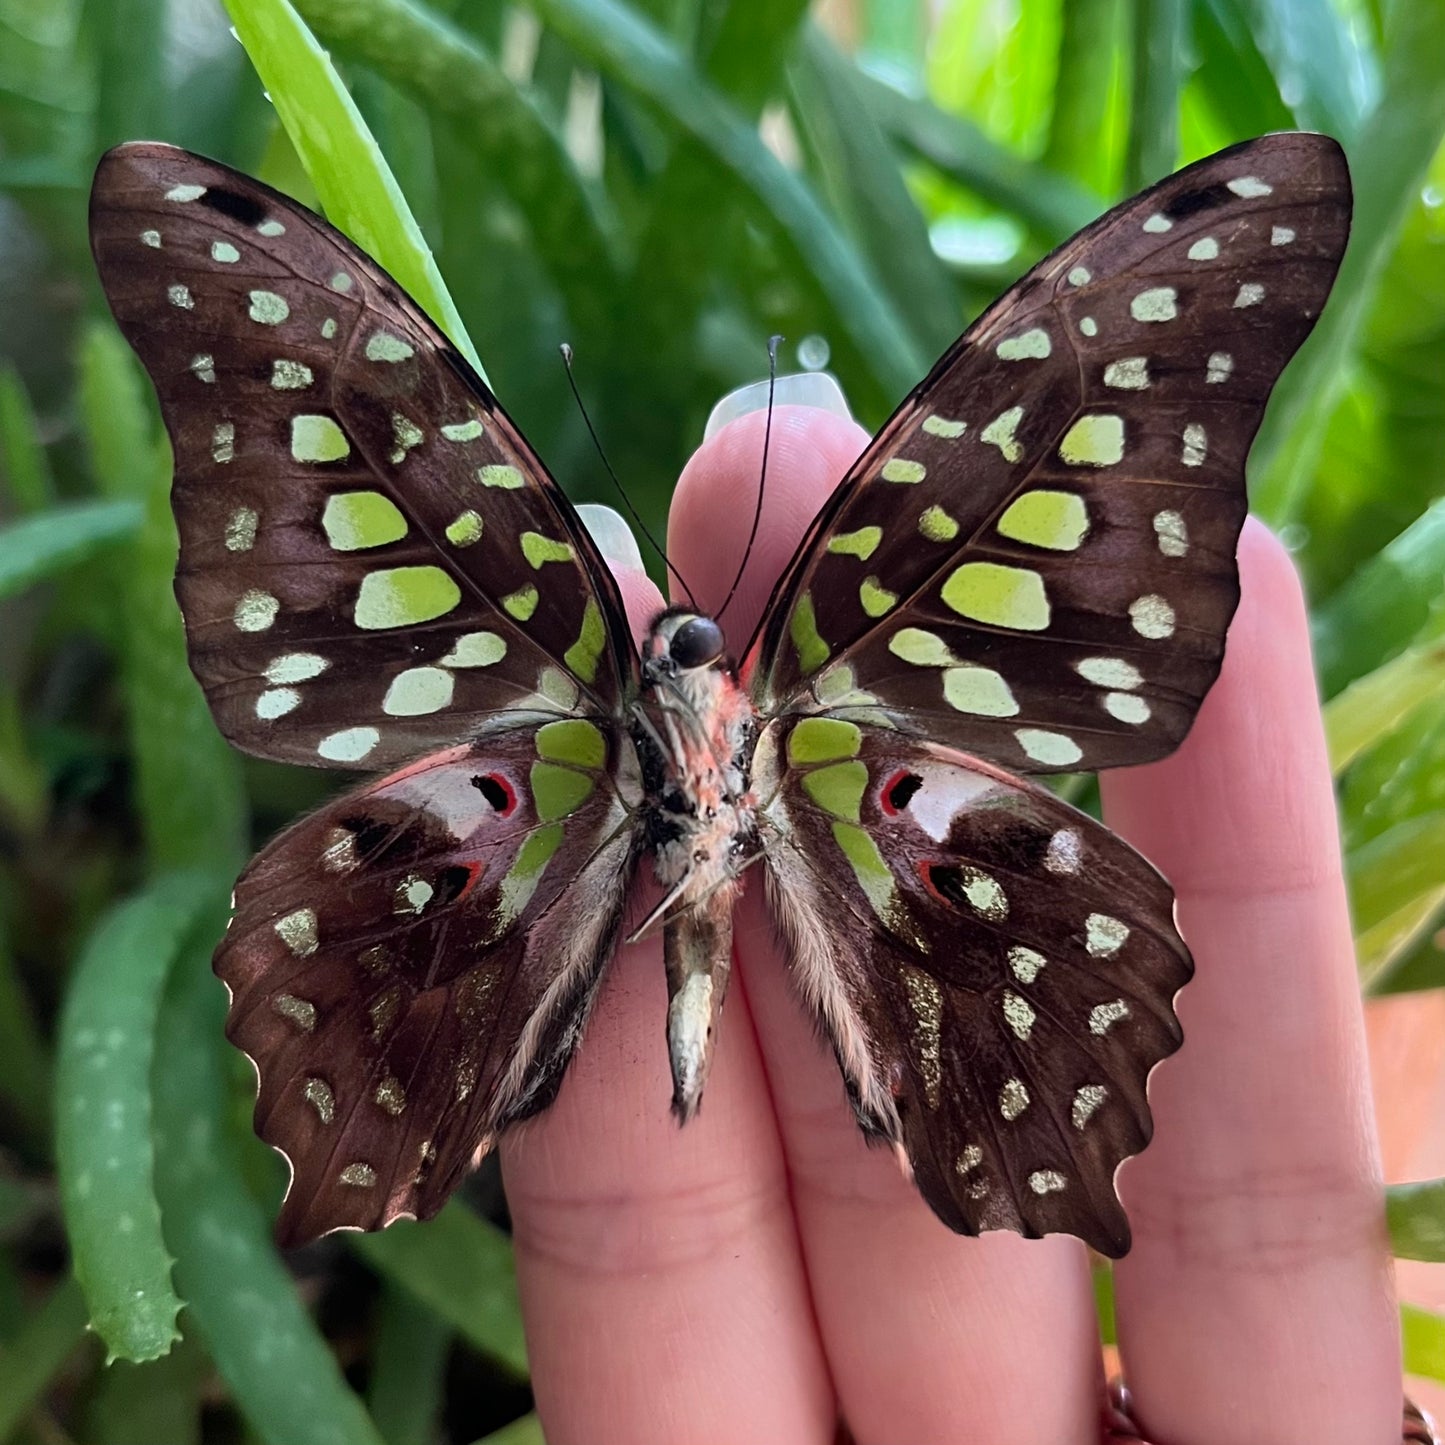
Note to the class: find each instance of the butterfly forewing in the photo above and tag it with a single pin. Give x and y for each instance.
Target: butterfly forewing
(411, 967)
(1034, 560)
(995, 971)
(373, 562)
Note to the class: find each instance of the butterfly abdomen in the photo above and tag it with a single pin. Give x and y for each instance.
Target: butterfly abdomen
(695, 730)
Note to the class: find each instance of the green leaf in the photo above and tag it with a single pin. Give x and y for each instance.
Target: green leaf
(257, 1330)
(1313, 57)
(1386, 605)
(1158, 77)
(1397, 884)
(104, 1150)
(1373, 706)
(861, 177)
(187, 780)
(1416, 1216)
(1088, 119)
(461, 1267)
(526, 1431)
(351, 176)
(408, 1363)
(1052, 204)
(572, 224)
(628, 50)
(24, 470)
(153, 1404)
(36, 1354)
(39, 546)
(26, 1077)
(1423, 1336)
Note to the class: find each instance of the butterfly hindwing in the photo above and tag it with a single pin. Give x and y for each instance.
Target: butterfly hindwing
(410, 968)
(1034, 560)
(995, 970)
(373, 561)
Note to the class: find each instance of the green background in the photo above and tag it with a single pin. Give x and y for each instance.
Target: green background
(663, 184)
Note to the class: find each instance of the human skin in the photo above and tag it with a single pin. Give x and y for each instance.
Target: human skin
(762, 1274)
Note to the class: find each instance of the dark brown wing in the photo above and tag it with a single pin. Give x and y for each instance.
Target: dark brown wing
(373, 561)
(411, 967)
(995, 971)
(1034, 560)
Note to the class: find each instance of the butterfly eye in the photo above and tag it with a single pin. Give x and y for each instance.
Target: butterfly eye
(697, 642)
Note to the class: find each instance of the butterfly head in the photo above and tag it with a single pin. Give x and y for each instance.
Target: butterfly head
(681, 641)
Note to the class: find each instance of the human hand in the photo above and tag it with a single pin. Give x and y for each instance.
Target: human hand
(762, 1274)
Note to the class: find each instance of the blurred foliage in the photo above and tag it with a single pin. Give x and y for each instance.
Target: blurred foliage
(866, 180)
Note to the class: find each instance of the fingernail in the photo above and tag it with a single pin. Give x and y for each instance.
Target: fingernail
(613, 536)
(803, 388)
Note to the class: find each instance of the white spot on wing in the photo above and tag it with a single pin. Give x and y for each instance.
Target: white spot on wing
(1065, 853)
(1249, 294)
(1250, 187)
(1152, 617)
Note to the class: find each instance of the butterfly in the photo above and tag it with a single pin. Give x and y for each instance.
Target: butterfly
(1030, 570)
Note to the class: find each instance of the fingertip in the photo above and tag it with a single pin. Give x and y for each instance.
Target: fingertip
(809, 450)
(640, 597)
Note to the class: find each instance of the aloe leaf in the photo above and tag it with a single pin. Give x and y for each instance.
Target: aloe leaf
(238, 1292)
(187, 780)
(351, 176)
(104, 1151)
(408, 1361)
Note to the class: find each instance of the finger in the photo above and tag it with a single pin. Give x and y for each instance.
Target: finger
(1256, 1304)
(658, 1266)
(930, 1337)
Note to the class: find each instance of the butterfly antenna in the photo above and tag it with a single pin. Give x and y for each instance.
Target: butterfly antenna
(607, 466)
(773, 343)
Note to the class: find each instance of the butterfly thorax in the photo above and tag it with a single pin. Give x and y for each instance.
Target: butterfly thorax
(695, 729)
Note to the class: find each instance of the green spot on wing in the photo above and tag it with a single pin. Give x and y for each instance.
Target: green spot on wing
(584, 654)
(522, 603)
(803, 628)
(525, 873)
(838, 789)
(875, 598)
(539, 550)
(937, 525)
(822, 740)
(356, 520)
(573, 740)
(508, 478)
(860, 544)
(558, 791)
(318, 439)
(872, 873)
(405, 596)
(465, 530)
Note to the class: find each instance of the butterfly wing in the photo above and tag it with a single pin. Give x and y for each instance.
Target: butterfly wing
(410, 968)
(1034, 559)
(1002, 980)
(373, 561)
